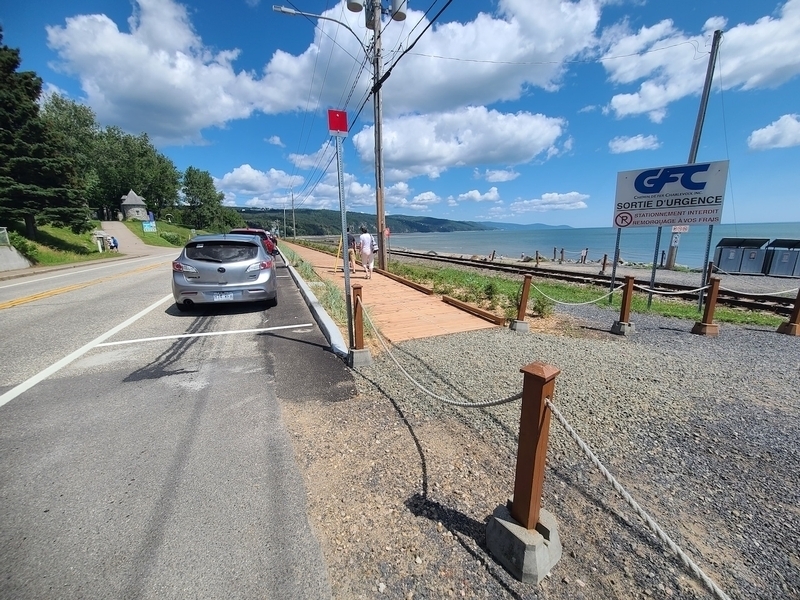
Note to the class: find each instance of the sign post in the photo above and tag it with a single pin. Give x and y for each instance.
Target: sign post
(337, 125)
(674, 195)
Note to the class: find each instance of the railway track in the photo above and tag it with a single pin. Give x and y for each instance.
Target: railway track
(781, 305)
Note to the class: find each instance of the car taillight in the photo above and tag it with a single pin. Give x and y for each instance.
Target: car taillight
(179, 267)
(261, 266)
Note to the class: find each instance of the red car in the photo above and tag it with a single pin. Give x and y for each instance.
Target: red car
(266, 238)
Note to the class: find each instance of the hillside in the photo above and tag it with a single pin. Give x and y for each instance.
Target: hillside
(329, 222)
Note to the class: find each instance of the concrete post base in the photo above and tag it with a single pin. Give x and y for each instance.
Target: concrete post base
(528, 554)
(620, 328)
(789, 328)
(519, 326)
(359, 358)
(709, 329)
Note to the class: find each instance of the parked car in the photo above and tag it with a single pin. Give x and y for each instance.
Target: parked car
(269, 241)
(224, 268)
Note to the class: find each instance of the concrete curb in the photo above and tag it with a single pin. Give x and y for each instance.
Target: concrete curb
(329, 329)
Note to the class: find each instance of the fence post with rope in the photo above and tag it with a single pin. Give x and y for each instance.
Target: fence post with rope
(624, 326)
(792, 326)
(358, 356)
(520, 325)
(707, 325)
(521, 535)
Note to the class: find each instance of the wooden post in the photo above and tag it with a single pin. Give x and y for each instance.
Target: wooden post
(562, 257)
(358, 317)
(624, 325)
(534, 430)
(605, 262)
(707, 325)
(554, 254)
(627, 297)
(523, 303)
(792, 326)
(537, 259)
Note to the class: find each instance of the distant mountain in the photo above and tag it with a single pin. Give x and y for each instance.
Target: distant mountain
(518, 226)
(329, 222)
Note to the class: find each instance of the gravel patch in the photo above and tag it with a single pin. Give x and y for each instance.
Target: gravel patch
(701, 431)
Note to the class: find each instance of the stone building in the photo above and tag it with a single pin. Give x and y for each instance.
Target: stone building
(134, 207)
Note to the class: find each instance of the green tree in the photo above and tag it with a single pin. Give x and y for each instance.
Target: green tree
(202, 202)
(37, 176)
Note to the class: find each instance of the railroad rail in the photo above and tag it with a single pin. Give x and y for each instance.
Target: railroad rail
(781, 305)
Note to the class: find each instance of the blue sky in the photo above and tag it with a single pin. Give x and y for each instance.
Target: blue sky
(506, 110)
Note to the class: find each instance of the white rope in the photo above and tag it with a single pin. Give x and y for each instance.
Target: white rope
(427, 391)
(639, 510)
(792, 291)
(662, 293)
(577, 303)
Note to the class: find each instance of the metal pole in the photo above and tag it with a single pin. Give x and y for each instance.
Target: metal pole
(698, 130)
(616, 261)
(376, 77)
(294, 224)
(345, 254)
(653, 272)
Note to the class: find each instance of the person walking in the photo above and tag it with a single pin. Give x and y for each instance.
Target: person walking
(351, 250)
(365, 242)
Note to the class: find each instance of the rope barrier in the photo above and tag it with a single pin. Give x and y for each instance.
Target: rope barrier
(639, 510)
(792, 291)
(427, 391)
(616, 289)
(662, 293)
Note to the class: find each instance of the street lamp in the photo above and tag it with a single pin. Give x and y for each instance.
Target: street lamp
(372, 15)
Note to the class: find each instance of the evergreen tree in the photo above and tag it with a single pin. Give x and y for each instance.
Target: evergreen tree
(37, 176)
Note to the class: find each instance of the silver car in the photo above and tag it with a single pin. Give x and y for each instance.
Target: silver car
(222, 268)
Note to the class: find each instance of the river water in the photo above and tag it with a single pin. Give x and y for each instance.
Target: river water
(636, 245)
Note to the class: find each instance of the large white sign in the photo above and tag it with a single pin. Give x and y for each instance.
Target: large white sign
(677, 195)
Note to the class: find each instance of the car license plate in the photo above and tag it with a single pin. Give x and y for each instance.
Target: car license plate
(223, 296)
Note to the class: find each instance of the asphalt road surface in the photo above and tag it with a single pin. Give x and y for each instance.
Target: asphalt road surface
(142, 453)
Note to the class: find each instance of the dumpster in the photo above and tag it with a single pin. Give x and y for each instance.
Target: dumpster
(740, 255)
(782, 257)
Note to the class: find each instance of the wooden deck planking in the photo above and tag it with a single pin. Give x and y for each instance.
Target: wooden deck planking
(398, 311)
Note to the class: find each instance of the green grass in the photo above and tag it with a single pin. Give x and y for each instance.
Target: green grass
(57, 246)
(167, 236)
(502, 294)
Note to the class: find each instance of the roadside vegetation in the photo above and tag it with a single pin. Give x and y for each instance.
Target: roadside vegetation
(501, 294)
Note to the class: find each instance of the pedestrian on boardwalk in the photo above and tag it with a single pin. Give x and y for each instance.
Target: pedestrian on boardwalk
(365, 242)
(351, 250)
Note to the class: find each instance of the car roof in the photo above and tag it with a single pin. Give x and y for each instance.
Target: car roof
(253, 229)
(218, 237)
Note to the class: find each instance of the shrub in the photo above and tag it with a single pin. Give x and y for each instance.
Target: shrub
(173, 238)
(542, 307)
(24, 246)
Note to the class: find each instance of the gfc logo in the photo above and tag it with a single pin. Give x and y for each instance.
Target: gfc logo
(654, 180)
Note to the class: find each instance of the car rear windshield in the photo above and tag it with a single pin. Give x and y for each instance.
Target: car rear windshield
(263, 234)
(221, 251)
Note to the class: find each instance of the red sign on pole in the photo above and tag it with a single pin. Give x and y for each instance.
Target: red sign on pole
(337, 122)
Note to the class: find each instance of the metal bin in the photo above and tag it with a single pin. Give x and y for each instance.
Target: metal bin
(782, 257)
(740, 255)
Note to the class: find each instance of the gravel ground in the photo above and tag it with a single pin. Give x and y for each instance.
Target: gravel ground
(701, 431)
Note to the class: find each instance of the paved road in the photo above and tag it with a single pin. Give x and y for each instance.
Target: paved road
(148, 458)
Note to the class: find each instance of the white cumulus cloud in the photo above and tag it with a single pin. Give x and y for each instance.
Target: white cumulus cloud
(550, 201)
(621, 144)
(783, 133)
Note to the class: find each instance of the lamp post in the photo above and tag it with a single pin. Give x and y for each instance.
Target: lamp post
(373, 13)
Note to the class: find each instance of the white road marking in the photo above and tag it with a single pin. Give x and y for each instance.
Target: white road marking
(205, 334)
(72, 272)
(57, 366)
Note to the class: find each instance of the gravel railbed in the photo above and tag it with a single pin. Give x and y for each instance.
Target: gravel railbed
(703, 432)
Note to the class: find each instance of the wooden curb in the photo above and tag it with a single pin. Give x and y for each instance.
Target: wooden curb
(410, 284)
(478, 312)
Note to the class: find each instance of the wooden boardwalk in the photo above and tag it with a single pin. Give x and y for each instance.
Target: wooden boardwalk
(398, 311)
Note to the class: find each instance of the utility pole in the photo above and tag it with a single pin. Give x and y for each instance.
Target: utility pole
(383, 261)
(294, 223)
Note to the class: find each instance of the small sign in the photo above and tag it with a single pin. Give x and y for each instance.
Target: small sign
(680, 229)
(337, 123)
(149, 227)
